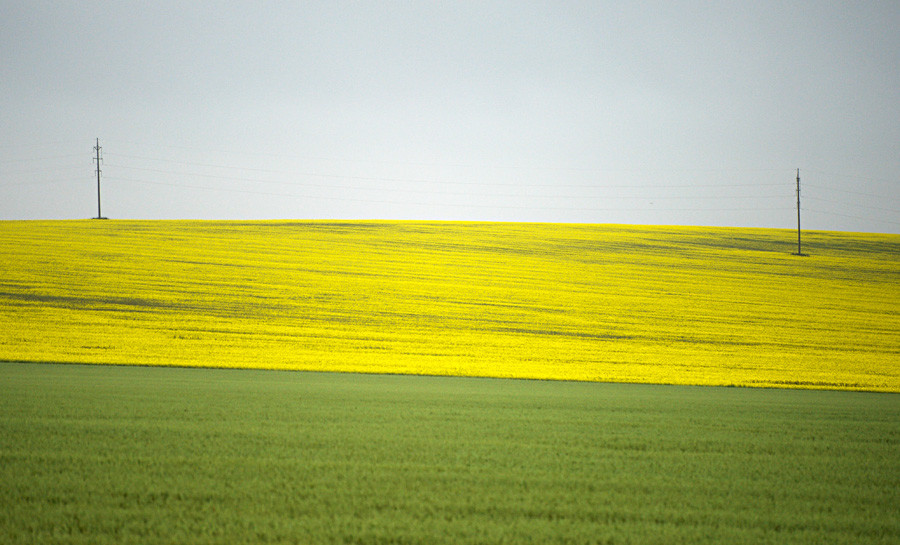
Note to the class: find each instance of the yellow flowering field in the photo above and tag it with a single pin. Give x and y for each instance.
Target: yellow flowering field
(679, 305)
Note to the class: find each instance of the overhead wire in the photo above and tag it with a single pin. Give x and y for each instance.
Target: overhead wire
(438, 192)
(415, 180)
(43, 158)
(851, 216)
(388, 179)
(845, 203)
(438, 204)
(851, 176)
(432, 164)
(41, 182)
(817, 185)
(304, 181)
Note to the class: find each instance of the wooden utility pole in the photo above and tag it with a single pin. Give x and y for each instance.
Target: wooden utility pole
(97, 158)
(798, 214)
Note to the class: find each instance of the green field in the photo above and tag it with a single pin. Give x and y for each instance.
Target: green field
(111, 454)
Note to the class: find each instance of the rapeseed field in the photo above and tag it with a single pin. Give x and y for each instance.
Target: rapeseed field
(672, 305)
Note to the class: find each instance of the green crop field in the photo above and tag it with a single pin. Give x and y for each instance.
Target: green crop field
(675, 305)
(112, 454)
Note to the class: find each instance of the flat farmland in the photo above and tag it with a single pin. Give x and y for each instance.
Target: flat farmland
(667, 305)
(151, 455)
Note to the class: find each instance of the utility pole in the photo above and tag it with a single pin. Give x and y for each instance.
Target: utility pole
(798, 213)
(97, 158)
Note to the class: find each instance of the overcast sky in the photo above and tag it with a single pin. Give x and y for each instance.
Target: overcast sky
(685, 113)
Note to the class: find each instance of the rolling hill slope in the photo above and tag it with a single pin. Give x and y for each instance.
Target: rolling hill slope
(681, 305)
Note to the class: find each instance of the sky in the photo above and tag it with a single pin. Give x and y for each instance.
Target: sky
(669, 113)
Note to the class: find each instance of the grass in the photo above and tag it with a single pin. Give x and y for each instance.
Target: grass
(672, 305)
(109, 454)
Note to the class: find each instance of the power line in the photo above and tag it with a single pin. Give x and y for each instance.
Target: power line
(456, 182)
(441, 204)
(41, 169)
(472, 193)
(832, 213)
(42, 182)
(458, 193)
(641, 169)
(850, 192)
(853, 176)
(429, 181)
(43, 158)
(854, 204)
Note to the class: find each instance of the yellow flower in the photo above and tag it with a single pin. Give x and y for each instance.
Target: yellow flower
(680, 305)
